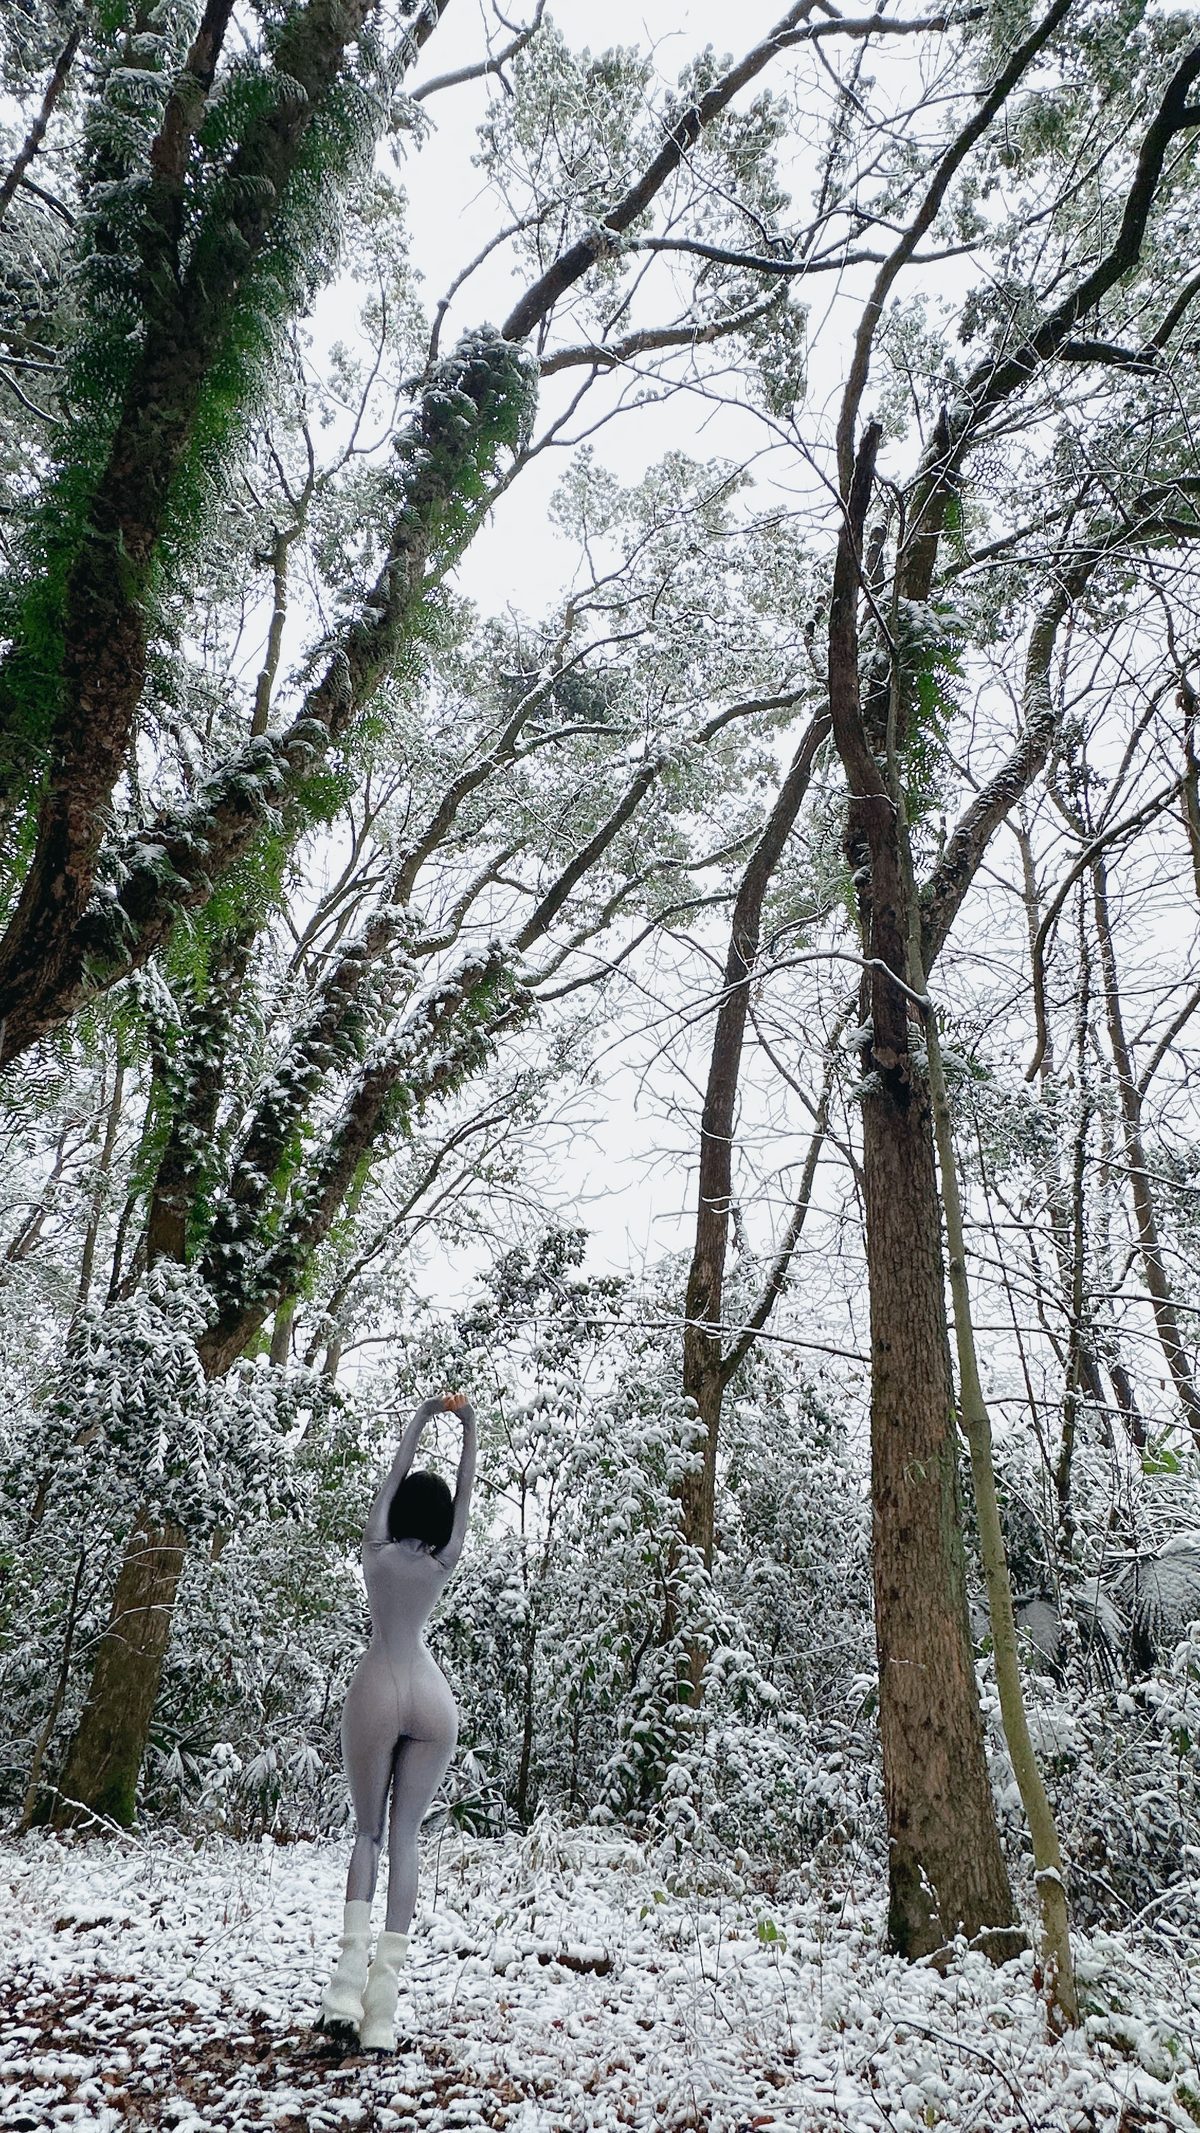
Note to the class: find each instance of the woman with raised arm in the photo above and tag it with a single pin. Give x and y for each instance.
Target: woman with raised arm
(399, 1720)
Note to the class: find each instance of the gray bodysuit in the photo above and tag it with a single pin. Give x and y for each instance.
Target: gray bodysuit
(399, 1720)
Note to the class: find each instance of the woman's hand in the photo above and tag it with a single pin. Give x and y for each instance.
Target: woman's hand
(455, 1403)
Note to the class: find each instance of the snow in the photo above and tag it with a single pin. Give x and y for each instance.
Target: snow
(561, 1982)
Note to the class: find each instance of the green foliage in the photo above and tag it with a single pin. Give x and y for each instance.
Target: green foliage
(929, 641)
(299, 255)
(123, 291)
(571, 134)
(101, 320)
(777, 345)
(477, 402)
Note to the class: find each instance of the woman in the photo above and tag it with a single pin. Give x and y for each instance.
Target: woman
(399, 1720)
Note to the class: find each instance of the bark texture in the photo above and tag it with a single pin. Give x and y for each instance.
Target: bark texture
(103, 1767)
(947, 1870)
(105, 619)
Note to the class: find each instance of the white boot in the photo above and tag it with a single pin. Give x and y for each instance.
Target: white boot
(377, 2030)
(343, 2001)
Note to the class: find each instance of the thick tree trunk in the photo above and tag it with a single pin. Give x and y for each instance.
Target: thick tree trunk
(188, 310)
(947, 1871)
(101, 1777)
(946, 1868)
(704, 1381)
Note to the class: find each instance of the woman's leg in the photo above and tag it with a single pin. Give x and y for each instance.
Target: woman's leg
(418, 1770)
(368, 1747)
(368, 1742)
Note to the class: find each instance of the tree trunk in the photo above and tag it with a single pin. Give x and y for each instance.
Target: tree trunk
(525, 1766)
(1071, 1240)
(705, 1368)
(1189, 704)
(946, 1868)
(1067, 1221)
(1058, 1970)
(947, 1872)
(703, 1382)
(105, 1761)
(281, 1333)
(1154, 1265)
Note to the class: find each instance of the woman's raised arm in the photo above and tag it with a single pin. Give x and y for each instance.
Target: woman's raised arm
(461, 1406)
(375, 1531)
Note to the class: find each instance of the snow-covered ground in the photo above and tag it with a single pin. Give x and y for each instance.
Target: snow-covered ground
(559, 1981)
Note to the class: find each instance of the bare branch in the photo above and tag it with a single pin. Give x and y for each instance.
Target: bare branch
(33, 139)
(482, 67)
(948, 164)
(598, 355)
(780, 1266)
(538, 301)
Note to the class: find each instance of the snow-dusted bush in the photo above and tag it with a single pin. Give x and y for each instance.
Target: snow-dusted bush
(267, 1630)
(1127, 1781)
(579, 1615)
(1113, 1675)
(130, 1428)
(570, 1629)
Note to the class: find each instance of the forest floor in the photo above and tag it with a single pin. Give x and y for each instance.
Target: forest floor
(558, 1985)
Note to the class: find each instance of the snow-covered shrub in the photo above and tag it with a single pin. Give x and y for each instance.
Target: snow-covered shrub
(571, 1626)
(132, 1414)
(1112, 1669)
(1121, 1766)
(129, 1425)
(267, 1629)
(1127, 1785)
(578, 1615)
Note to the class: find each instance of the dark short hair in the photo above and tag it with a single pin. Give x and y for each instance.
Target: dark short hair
(422, 1509)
